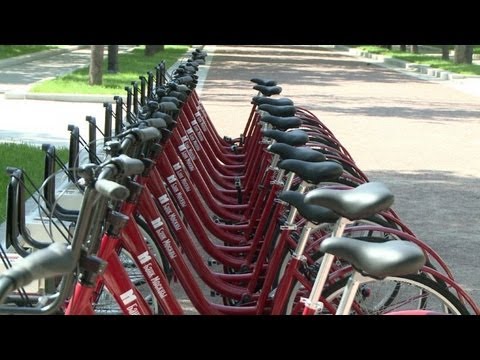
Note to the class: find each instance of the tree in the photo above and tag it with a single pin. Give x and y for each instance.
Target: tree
(403, 47)
(415, 49)
(463, 54)
(112, 58)
(153, 49)
(96, 62)
(445, 52)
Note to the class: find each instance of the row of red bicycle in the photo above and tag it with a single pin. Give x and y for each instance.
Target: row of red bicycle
(289, 223)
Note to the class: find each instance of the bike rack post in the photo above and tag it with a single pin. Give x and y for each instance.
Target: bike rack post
(108, 122)
(74, 150)
(92, 139)
(128, 89)
(149, 85)
(135, 98)
(118, 114)
(143, 84)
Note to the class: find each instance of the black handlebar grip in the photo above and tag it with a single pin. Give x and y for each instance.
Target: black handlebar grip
(158, 114)
(57, 259)
(111, 189)
(171, 99)
(158, 123)
(168, 106)
(129, 165)
(184, 79)
(183, 88)
(182, 96)
(148, 133)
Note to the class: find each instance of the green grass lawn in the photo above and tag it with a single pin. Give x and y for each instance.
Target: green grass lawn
(7, 51)
(131, 66)
(27, 157)
(433, 61)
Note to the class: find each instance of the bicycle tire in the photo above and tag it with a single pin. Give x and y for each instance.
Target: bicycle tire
(427, 295)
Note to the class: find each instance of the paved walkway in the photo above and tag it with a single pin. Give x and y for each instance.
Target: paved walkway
(419, 137)
(35, 121)
(20, 77)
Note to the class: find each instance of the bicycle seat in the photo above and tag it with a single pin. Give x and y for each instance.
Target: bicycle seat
(192, 62)
(179, 95)
(152, 105)
(313, 172)
(167, 106)
(282, 123)
(172, 99)
(187, 79)
(260, 100)
(358, 203)
(299, 153)
(378, 260)
(268, 90)
(156, 122)
(263, 82)
(286, 110)
(313, 213)
(294, 137)
(196, 62)
(168, 119)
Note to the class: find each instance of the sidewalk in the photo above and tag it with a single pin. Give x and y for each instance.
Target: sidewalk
(465, 83)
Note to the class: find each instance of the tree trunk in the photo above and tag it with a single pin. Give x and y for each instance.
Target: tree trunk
(403, 47)
(96, 61)
(415, 49)
(153, 49)
(445, 52)
(463, 54)
(112, 58)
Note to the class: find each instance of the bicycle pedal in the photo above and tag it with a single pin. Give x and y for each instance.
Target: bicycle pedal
(212, 262)
(218, 220)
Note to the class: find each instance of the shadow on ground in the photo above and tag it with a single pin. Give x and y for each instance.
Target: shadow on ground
(443, 210)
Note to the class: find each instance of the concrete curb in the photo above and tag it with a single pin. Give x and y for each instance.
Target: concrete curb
(90, 98)
(38, 55)
(438, 73)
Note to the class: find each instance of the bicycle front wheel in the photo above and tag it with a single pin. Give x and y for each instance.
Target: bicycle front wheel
(392, 294)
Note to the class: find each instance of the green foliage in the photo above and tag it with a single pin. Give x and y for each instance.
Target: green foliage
(7, 51)
(432, 60)
(131, 65)
(24, 156)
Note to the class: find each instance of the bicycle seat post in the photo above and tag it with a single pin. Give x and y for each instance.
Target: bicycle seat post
(312, 305)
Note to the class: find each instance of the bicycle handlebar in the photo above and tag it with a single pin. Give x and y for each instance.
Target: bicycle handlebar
(55, 260)
(124, 165)
(158, 123)
(146, 134)
(111, 189)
